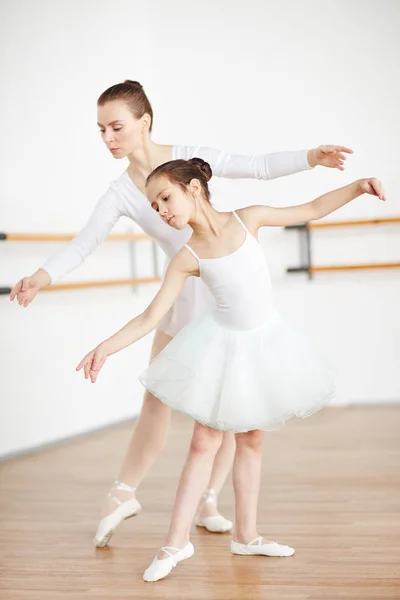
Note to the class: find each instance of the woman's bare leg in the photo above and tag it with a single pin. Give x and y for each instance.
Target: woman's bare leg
(221, 468)
(148, 437)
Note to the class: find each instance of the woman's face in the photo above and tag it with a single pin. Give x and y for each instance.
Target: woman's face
(121, 132)
(174, 205)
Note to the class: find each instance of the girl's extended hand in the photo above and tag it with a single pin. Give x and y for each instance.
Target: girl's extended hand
(373, 186)
(93, 362)
(329, 156)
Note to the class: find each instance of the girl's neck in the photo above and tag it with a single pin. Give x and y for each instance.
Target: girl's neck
(208, 222)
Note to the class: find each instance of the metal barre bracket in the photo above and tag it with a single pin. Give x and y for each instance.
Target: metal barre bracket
(305, 246)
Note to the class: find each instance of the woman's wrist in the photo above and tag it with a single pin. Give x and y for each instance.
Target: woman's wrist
(41, 278)
(312, 157)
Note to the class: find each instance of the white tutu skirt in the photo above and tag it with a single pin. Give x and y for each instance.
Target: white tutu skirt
(236, 380)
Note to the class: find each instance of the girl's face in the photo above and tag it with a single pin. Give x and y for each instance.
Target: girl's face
(174, 205)
(121, 132)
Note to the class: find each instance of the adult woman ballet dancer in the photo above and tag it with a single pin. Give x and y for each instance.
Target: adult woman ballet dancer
(238, 367)
(125, 119)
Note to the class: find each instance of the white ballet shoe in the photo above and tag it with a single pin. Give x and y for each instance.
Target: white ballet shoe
(124, 510)
(217, 523)
(256, 547)
(161, 567)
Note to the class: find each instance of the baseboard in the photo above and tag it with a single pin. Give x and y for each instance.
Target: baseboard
(65, 440)
(366, 402)
(55, 443)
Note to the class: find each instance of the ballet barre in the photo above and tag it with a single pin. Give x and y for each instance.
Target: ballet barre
(131, 238)
(66, 237)
(305, 230)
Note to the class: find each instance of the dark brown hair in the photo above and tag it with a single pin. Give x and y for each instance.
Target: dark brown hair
(183, 171)
(133, 94)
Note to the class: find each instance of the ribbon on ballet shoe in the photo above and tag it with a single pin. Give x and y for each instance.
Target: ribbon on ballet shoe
(122, 487)
(124, 510)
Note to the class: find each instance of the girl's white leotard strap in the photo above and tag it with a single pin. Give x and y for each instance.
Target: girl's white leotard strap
(240, 221)
(192, 252)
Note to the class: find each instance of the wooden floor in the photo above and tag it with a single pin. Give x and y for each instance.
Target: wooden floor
(331, 489)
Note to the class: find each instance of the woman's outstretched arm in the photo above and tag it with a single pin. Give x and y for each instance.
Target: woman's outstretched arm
(103, 218)
(266, 166)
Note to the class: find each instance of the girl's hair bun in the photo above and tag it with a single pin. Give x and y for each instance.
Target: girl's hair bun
(203, 166)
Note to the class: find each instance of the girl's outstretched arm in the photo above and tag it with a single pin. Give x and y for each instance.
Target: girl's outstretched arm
(267, 216)
(178, 270)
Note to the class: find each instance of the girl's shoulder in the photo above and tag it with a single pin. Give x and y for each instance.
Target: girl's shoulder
(250, 215)
(185, 261)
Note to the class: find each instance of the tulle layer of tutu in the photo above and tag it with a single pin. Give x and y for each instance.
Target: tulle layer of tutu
(240, 380)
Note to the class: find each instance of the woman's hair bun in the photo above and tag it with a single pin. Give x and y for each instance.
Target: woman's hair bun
(130, 82)
(203, 166)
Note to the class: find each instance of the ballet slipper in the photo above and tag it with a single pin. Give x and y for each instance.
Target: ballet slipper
(216, 523)
(161, 567)
(256, 547)
(124, 510)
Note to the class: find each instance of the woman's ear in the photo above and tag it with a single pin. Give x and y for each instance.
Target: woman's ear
(146, 122)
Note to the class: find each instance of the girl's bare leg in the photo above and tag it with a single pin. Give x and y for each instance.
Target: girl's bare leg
(246, 484)
(195, 476)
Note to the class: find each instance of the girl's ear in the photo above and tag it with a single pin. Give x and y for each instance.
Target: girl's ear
(195, 187)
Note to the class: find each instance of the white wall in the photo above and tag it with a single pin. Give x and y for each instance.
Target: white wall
(251, 77)
(60, 57)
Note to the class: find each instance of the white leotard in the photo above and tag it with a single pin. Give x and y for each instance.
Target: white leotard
(239, 284)
(123, 198)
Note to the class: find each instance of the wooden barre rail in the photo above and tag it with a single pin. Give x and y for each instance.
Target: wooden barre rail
(330, 224)
(354, 267)
(105, 283)
(91, 284)
(66, 237)
(353, 223)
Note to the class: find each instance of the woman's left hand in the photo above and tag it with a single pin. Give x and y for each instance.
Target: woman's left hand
(93, 362)
(329, 156)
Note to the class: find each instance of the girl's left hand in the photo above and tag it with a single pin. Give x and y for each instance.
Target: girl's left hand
(373, 186)
(93, 362)
(329, 156)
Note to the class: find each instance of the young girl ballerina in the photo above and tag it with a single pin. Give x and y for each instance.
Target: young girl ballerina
(125, 119)
(238, 367)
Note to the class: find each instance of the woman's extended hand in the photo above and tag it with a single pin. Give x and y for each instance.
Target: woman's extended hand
(329, 156)
(27, 288)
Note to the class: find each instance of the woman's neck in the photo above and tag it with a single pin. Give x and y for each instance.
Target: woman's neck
(144, 160)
